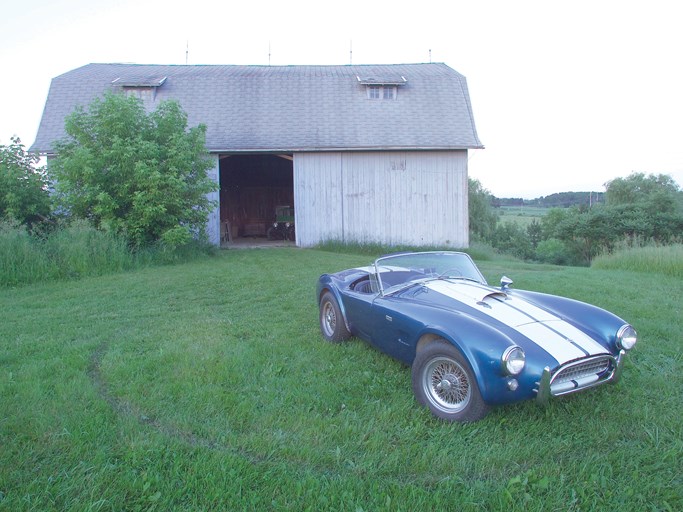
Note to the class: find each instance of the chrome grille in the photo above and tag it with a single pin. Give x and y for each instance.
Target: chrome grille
(583, 368)
(580, 374)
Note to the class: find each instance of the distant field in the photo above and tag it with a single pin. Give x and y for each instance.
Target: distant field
(207, 386)
(522, 215)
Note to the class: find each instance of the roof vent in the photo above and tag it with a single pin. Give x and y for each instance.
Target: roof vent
(139, 81)
(386, 80)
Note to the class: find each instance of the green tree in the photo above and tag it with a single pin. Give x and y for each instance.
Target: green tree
(648, 207)
(24, 195)
(638, 188)
(482, 217)
(141, 175)
(535, 233)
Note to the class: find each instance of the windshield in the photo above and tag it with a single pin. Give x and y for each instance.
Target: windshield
(396, 271)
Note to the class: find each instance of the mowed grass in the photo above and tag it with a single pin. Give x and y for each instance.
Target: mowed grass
(207, 386)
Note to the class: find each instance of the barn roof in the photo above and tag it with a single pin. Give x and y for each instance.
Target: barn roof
(286, 108)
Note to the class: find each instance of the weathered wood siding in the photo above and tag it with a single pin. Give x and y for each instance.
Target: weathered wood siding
(318, 194)
(407, 197)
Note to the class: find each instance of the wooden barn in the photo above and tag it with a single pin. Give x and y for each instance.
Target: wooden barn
(360, 153)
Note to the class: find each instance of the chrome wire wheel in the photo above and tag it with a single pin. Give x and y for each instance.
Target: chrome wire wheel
(332, 324)
(329, 319)
(443, 380)
(446, 384)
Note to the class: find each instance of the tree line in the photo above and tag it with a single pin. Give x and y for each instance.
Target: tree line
(638, 209)
(557, 200)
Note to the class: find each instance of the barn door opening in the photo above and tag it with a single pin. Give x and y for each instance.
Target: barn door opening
(257, 191)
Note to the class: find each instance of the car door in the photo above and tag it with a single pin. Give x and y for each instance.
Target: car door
(393, 327)
(358, 309)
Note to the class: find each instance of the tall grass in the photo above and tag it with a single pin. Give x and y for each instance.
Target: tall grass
(666, 259)
(20, 259)
(81, 250)
(74, 251)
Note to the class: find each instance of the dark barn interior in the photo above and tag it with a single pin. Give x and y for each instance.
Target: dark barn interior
(252, 186)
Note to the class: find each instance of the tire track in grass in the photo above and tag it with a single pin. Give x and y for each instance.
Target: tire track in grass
(124, 408)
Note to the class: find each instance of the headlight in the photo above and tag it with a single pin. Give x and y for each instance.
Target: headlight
(627, 337)
(513, 360)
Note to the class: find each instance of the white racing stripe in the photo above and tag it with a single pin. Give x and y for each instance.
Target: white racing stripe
(561, 340)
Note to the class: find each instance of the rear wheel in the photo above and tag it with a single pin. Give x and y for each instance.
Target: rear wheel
(444, 382)
(332, 323)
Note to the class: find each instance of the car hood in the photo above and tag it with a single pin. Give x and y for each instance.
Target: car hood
(563, 341)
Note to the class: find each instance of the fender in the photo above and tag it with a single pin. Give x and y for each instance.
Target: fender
(325, 284)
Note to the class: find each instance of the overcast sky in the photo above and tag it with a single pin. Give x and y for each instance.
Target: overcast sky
(566, 95)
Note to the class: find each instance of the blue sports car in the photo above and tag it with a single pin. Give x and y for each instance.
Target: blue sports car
(471, 345)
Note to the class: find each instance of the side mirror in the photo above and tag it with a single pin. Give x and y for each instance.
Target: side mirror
(505, 283)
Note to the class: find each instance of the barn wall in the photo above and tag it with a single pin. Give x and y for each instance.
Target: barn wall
(413, 198)
(318, 193)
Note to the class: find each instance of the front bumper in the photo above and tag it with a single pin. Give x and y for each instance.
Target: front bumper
(579, 375)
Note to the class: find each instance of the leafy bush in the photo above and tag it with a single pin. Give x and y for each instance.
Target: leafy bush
(483, 218)
(142, 176)
(23, 185)
(553, 251)
(512, 239)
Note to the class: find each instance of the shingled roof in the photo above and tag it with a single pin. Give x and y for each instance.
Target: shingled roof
(287, 108)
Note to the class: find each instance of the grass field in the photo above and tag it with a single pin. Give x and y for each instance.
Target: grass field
(207, 386)
(522, 215)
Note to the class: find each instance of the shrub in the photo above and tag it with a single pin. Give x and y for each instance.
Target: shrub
(23, 185)
(142, 176)
(482, 217)
(512, 239)
(553, 251)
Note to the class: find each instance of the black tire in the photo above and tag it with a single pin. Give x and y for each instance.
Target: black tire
(332, 323)
(274, 233)
(444, 382)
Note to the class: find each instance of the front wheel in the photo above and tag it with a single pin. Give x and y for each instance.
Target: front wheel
(444, 382)
(331, 320)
